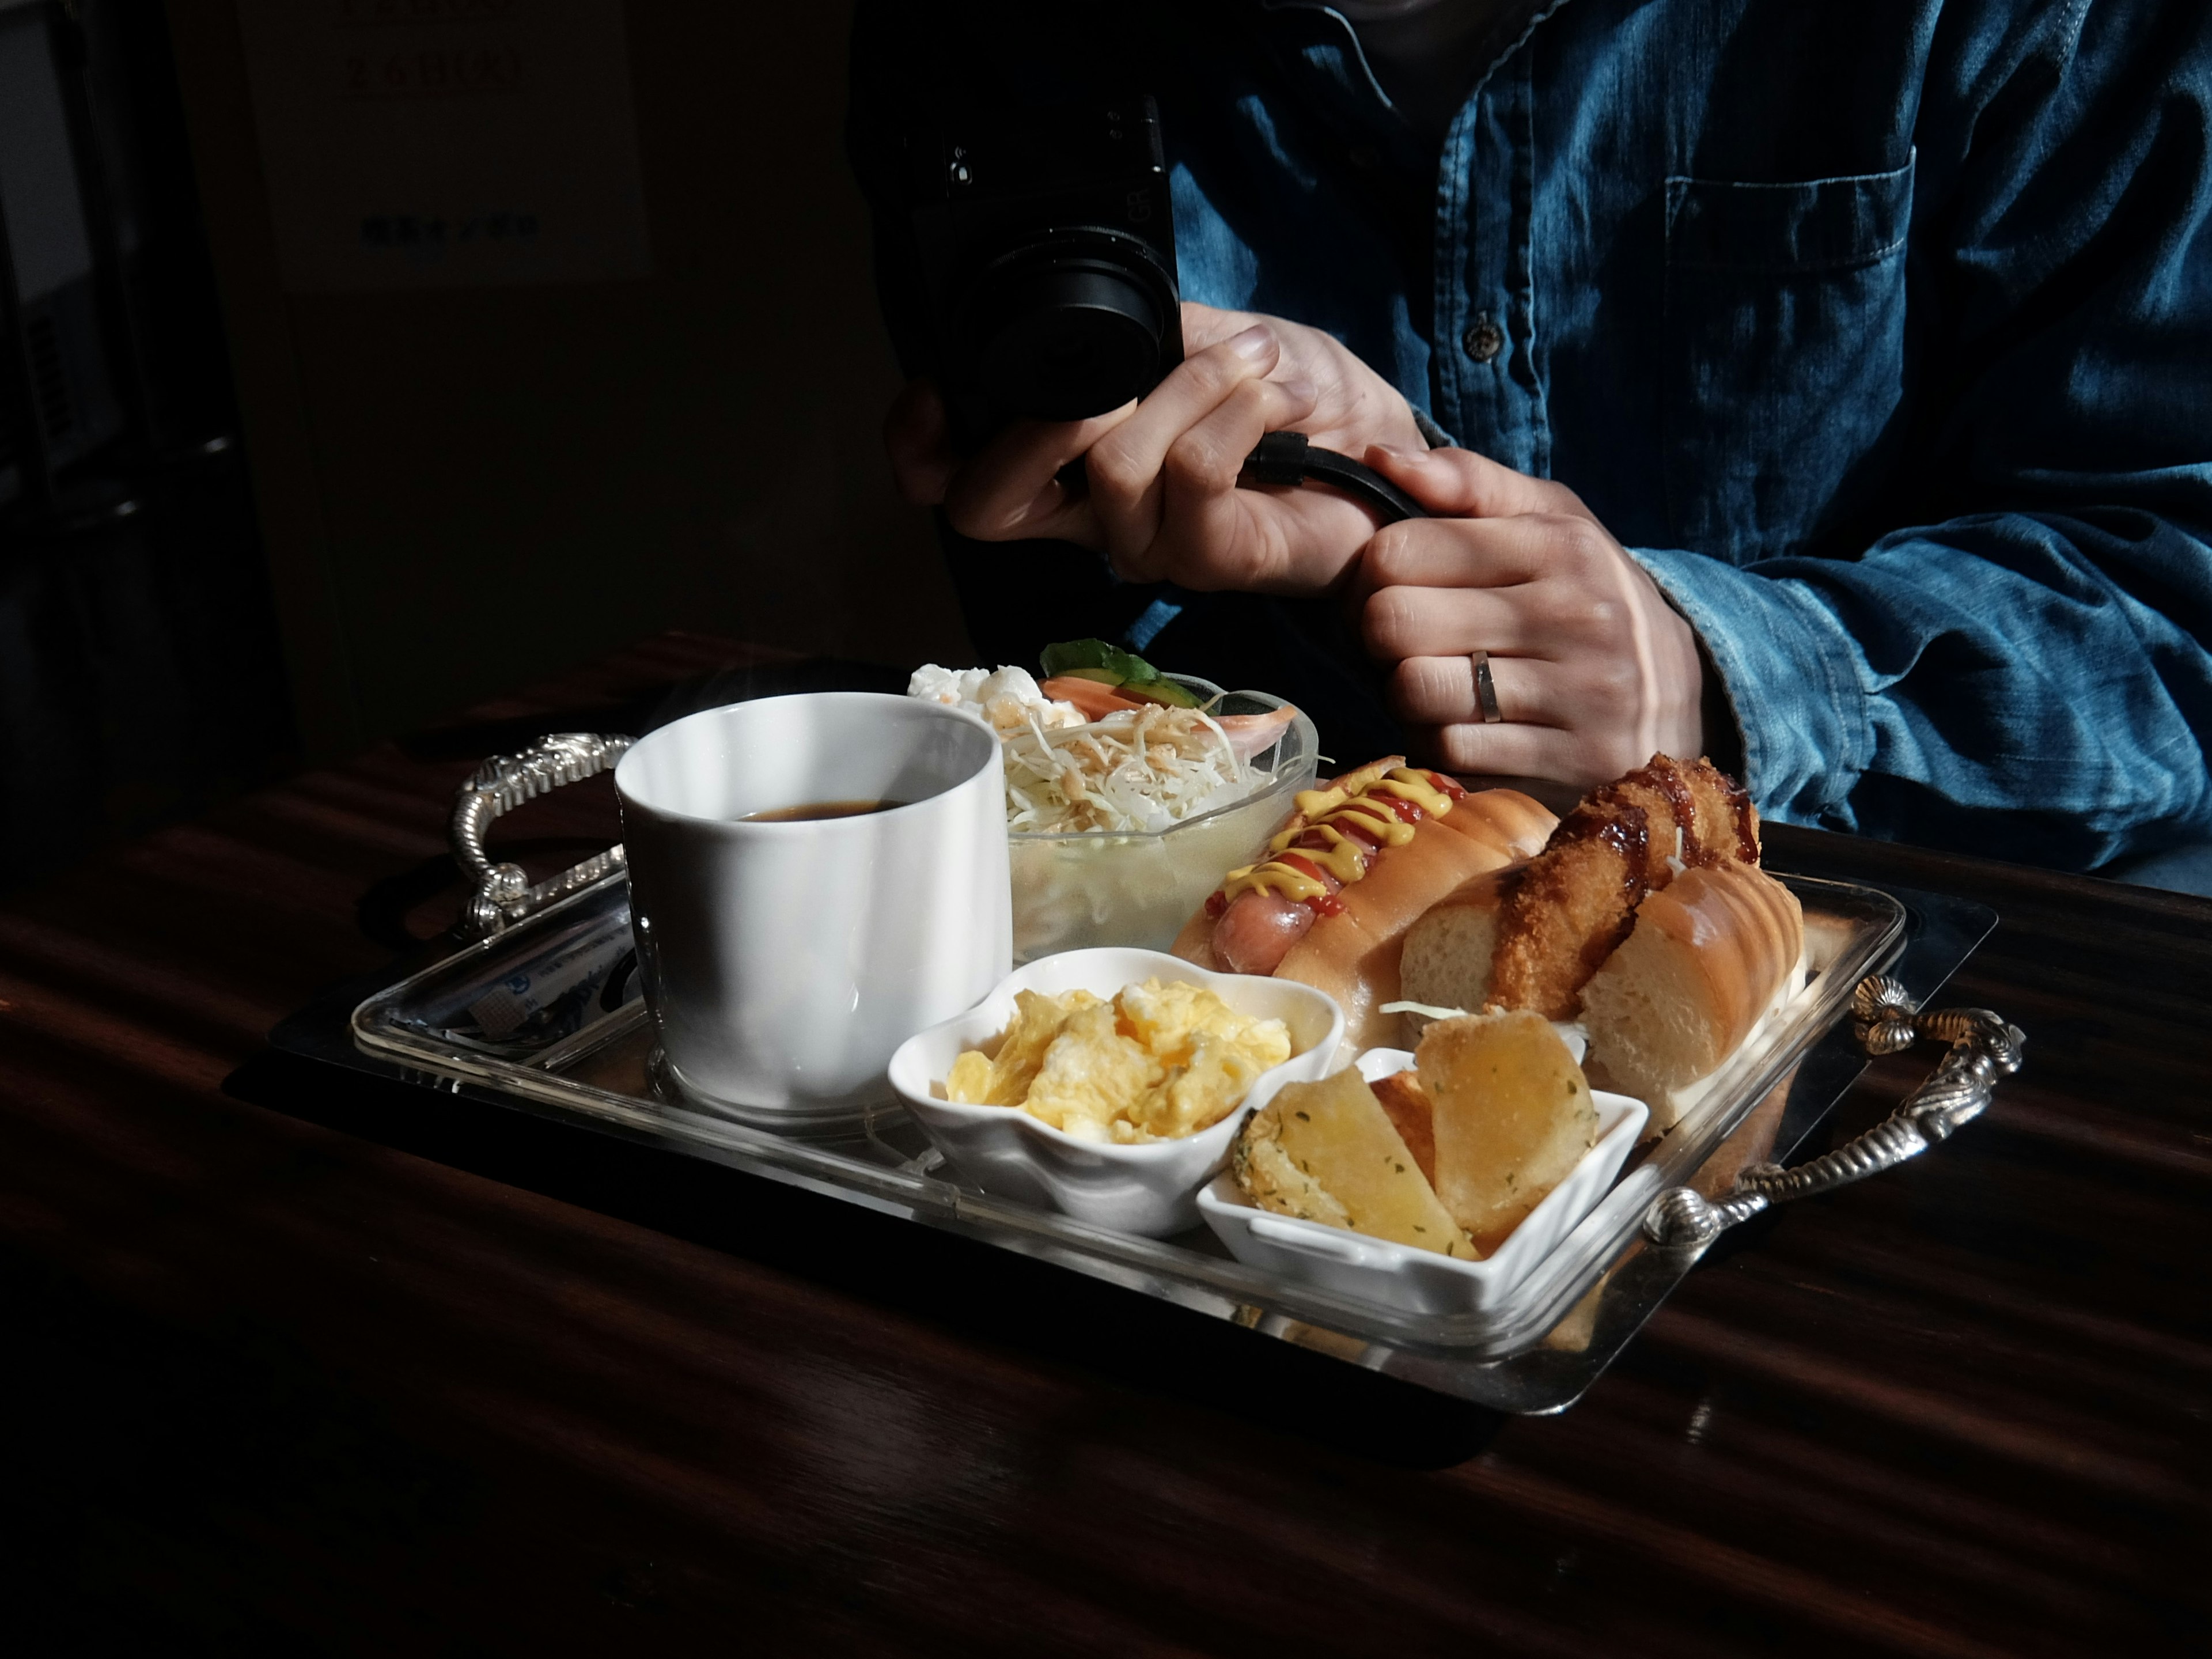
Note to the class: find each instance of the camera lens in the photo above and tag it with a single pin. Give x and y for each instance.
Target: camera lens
(1061, 333)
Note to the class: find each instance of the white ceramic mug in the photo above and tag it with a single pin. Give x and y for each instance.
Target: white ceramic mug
(785, 961)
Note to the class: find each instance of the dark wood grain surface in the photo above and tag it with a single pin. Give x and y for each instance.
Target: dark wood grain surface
(306, 1376)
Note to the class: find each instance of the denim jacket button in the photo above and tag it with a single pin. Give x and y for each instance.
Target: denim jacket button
(1484, 341)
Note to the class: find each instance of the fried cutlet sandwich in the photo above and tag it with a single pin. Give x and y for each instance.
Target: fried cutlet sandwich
(1646, 917)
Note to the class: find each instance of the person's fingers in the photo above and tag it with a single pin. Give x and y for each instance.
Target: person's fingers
(1206, 325)
(1461, 484)
(1440, 692)
(1192, 512)
(1010, 489)
(1125, 464)
(1399, 623)
(919, 440)
(1463, 552)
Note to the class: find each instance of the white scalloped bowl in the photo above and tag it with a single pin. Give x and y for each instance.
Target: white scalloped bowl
(1149, 1188)
(1397, 1275)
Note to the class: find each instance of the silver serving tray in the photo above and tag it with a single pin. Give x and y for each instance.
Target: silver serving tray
(545, 1016)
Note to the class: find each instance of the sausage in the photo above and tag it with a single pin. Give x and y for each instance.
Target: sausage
(1256, 931)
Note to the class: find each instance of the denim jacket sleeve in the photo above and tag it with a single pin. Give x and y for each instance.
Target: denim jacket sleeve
(2031, 670)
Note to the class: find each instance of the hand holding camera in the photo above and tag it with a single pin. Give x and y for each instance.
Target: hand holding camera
(1067, 396)
(1062, 389)
(1162, 502)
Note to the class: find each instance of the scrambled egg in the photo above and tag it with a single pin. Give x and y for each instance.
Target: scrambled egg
(1163, 1059)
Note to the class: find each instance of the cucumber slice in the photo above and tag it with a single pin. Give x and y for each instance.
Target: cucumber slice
(1102, 659)
(1163, 691)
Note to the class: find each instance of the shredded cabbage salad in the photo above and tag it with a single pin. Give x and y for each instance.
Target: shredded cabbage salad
(1141, 770)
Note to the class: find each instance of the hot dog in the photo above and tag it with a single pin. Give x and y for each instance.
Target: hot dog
(1330, 899)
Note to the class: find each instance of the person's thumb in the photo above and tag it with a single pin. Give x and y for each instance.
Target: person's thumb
(1458, 483)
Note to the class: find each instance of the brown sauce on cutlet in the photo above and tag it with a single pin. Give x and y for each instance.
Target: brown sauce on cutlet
(1747, 821)
(1618, 803)
(1664, 776)
(1623, 826)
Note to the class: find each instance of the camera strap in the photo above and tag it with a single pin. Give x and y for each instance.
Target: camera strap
(1288, 459)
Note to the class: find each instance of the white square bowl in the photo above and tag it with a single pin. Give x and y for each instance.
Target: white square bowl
(1397, 1275)
(1149, 1188)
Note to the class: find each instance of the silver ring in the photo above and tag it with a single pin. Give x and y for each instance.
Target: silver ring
(1485, 689)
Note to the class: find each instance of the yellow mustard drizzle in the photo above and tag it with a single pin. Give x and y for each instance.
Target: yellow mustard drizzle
(1272, 877)
(1343, 857)
(1406, 784)
(1313, 803)
(1372, 816)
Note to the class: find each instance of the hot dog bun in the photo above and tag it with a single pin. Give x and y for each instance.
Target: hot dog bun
(1708, 957)
(1513, 822)
(1194, 944)
(1352, 956)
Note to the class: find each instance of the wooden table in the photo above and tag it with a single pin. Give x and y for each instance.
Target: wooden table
(279, 1383)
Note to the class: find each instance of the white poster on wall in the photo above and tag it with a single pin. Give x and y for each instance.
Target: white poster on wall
(447, 143)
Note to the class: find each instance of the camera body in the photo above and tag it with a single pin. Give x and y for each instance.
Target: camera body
(1044, 244)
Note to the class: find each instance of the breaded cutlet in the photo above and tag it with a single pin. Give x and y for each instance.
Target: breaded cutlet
(1576, 901)
(1573, 904)
(1714, 820)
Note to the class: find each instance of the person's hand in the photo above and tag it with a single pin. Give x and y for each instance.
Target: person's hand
(1595, 671)
(1162, 502)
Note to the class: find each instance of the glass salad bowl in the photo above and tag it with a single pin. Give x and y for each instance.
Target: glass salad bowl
(1073, 891)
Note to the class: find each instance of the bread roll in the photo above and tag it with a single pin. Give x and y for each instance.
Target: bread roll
(1342, 960)
(1534, 941)
(1710, 955)
(1446, 961)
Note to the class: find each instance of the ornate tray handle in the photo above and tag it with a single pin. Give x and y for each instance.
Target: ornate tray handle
(504, 895)
(1888, 1021)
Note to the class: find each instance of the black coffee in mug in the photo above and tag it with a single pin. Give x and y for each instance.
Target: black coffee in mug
(819, 809)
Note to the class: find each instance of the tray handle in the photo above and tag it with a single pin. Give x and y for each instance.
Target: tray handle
(503, 893)
(1887, 1021)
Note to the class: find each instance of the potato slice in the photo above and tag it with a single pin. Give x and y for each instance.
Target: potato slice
(1325, 1152)
(1512, 1115)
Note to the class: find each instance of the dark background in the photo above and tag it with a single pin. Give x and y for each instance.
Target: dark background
(243, 528)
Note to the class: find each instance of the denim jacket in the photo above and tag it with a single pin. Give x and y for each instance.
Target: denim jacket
(1879, 333)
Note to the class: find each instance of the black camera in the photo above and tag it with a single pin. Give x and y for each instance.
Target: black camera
(1045, 247)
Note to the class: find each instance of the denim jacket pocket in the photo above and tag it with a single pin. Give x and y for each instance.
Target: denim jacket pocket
(1785, 339)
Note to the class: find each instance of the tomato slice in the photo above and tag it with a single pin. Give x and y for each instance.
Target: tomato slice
(1094, 701)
